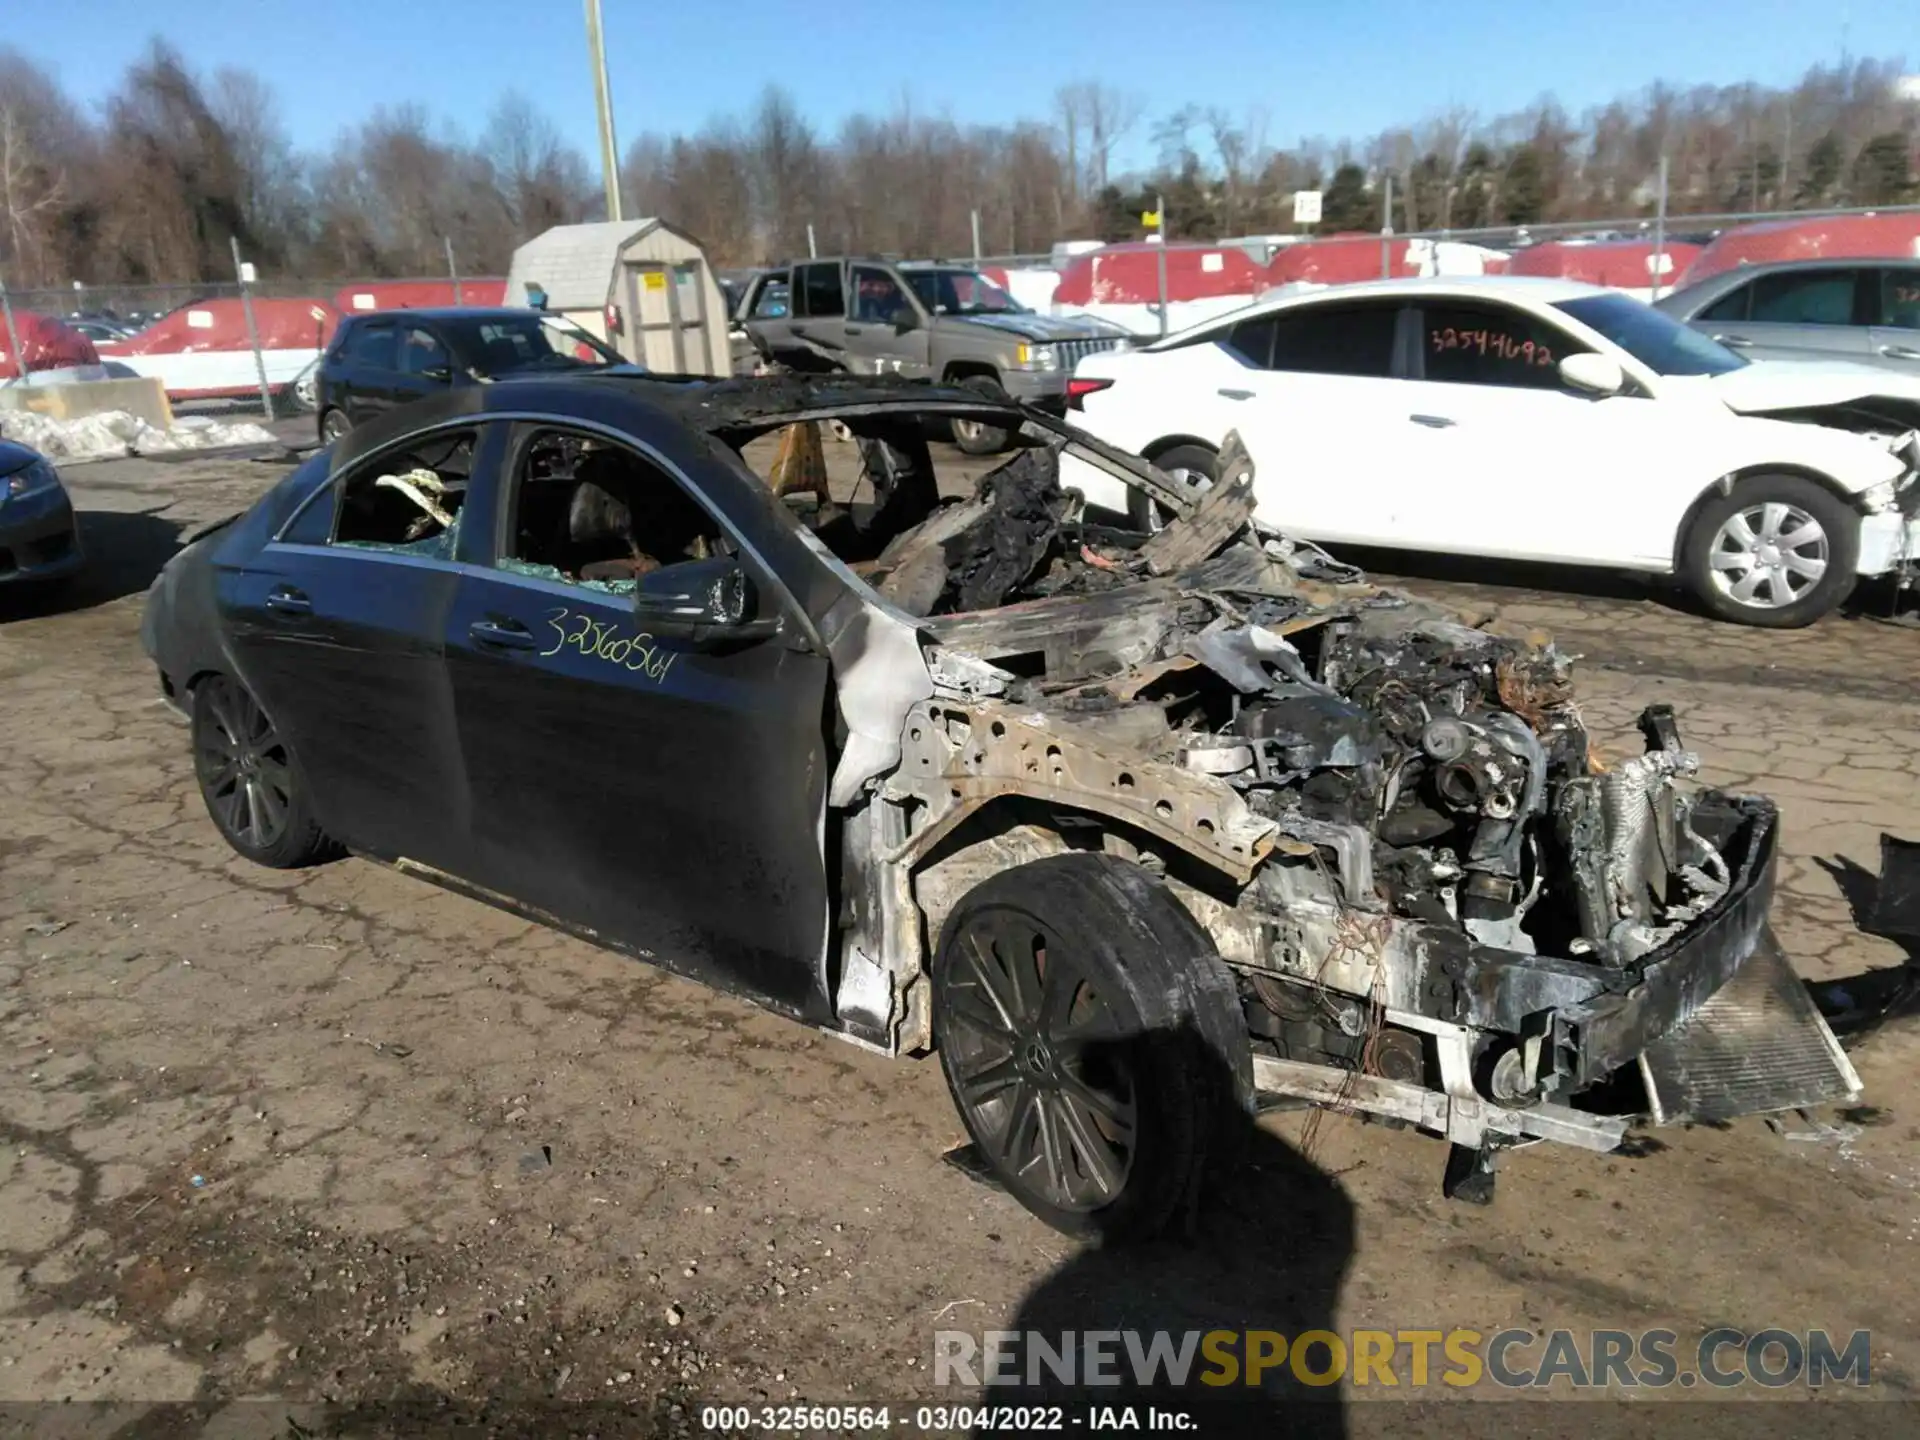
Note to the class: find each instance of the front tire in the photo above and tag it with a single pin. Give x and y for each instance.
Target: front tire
(1093, 1043)
(976, 437)
(250, 780)
(1779, 552)
(1194, 466)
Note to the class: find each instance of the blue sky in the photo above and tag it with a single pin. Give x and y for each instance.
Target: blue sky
(1333, 67)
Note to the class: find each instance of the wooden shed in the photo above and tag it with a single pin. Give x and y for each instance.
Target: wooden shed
(641, 285)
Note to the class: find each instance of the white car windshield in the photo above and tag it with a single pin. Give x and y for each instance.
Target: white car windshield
(1655, 339)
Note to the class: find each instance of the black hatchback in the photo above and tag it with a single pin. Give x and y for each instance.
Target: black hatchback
(380, 361)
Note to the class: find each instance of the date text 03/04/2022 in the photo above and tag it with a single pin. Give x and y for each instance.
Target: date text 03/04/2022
(939, 1419)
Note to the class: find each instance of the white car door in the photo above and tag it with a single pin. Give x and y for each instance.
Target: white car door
(1312, 406)
(1521, 466)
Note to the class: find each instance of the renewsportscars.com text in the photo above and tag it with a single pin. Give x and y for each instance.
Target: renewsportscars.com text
(1510, 1359)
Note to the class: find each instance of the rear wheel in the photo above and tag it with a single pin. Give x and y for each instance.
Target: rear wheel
(975, 436)
(1195, 467)
(1778, 552)
(249, 779)
(333, 425)
(1093, 1043)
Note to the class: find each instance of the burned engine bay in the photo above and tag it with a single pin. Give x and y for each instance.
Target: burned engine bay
(1440, 901)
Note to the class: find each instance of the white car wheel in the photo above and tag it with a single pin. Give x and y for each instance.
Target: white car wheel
(1780, 551)
(1191, 466)
(1769, 555)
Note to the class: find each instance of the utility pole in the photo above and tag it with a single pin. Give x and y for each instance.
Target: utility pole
(603, 98)
(1160, 257)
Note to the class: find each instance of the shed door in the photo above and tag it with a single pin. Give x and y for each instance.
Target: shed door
(670, 315)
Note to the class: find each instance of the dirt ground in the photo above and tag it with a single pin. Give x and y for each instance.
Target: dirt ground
(335, 1139)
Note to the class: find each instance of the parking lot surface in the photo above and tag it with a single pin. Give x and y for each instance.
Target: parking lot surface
(339, 1137)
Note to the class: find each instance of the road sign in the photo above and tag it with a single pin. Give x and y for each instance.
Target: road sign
(1306, 207)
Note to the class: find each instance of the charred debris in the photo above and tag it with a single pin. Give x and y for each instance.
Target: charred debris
(1440, 770)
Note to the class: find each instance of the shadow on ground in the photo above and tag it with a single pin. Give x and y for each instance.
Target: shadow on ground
(1886, 905)
(124, 550)
(1263, 1249)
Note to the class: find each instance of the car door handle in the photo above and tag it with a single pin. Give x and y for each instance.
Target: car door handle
(1432, 422)
(285, 600)
(855, 330)
(505, 637)
(1736, 342)
(1234, 394)
(1900, 352)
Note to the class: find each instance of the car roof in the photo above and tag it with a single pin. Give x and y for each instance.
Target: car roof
(1747, 269)
(1823, 262)
(735, 408)
(446, 313)
(1539, 289)
(1545, 289)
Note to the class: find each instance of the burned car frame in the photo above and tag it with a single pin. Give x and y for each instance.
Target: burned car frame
(1136, 832)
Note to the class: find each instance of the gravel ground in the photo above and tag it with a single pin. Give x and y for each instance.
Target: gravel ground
(285, 1151)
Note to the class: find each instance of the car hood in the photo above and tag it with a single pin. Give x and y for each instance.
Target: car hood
(15, 456)
(1035, 326)
(1770, 385)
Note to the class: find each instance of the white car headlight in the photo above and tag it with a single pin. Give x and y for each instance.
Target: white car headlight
(1029, 356)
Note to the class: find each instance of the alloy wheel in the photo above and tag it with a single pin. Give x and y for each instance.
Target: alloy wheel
(1034, 1052)
(244, 768)
(1769, 555)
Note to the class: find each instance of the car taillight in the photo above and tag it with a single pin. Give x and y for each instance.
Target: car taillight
(1078, 390)
(613, 319)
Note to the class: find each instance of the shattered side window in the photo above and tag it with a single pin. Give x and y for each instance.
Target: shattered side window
(408, 500)
(588, 512)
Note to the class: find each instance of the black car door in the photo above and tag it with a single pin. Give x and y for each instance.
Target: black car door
(336, 628)
(667, 797)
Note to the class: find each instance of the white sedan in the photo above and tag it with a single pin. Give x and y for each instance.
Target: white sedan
(1531, 419)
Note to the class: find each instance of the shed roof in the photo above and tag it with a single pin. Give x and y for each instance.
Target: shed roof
(573, 263)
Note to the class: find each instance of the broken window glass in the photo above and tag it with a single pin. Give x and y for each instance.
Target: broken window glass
(408, 499)
(587, 512)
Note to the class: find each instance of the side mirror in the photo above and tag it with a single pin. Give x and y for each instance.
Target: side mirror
(904, 321)
(703, 601)
(1595, 374)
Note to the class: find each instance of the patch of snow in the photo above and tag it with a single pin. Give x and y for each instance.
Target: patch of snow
(115, 433)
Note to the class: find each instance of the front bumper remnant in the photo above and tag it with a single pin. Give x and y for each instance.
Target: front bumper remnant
(1468, 1120)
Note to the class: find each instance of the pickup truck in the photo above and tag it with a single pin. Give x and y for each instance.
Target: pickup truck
(922, 319)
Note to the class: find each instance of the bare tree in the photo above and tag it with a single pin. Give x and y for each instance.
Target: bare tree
(541, 181)
(1069, 107)
(174, 171)
(35, 187)
(269, 173)
(1111, 114)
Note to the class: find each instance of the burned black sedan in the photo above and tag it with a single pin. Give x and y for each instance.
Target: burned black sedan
(1134, 832)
